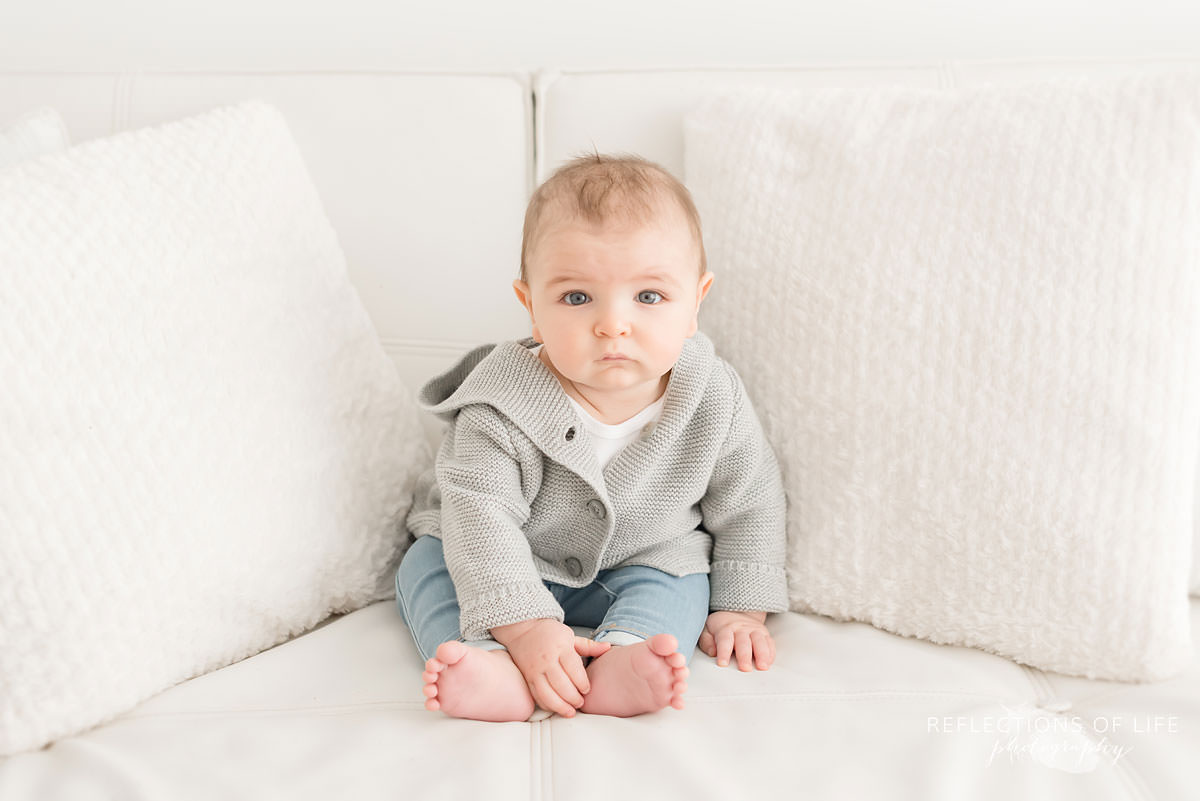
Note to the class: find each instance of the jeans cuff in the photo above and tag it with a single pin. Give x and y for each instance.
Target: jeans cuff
(618, 637)
(487, 645)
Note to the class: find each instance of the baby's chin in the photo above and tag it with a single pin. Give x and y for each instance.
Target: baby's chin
(621, 380)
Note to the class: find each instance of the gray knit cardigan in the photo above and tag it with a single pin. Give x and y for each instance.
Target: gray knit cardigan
(517, 495)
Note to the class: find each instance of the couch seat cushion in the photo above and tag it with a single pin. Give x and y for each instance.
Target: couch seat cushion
(847, 711)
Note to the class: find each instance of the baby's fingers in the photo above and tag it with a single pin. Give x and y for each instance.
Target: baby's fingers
(724, 646)
(564, 685)
(586, 647)
(548, 698)
(707, 643)
(573, 665)
(744, 650)
(764, 649)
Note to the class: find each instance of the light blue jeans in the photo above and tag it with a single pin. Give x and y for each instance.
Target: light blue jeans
(623, 605)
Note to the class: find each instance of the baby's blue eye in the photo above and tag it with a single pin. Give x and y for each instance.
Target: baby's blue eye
(653, 298)
(581, 298)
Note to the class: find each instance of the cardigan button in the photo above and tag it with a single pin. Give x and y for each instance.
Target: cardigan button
(596, 507)
(570, 433)
(573, 566)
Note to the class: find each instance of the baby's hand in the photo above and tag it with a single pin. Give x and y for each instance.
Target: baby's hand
(549, 656)
(742, 633)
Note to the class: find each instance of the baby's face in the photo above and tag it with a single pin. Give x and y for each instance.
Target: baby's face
(595, 291)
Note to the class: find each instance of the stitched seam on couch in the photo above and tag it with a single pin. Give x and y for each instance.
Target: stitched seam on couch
(341, 709)
(350, 709)
(869, 695)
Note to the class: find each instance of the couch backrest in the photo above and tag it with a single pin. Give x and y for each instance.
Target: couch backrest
(425, 175)
(641, 110)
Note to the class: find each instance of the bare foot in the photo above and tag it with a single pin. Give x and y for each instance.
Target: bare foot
(632, 679)
(466, 682)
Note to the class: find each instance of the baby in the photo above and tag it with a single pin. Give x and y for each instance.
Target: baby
(608, 472)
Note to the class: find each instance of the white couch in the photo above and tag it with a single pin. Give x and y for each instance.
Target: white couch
(425, 176)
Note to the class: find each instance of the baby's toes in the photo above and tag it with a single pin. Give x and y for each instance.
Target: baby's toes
(433, 671)
(677, 691)
(679, 685)
(431, 701)
(449, 653)
(663, 645)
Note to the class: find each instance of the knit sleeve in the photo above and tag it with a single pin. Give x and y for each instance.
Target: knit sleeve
(484, 507)
(744, 510)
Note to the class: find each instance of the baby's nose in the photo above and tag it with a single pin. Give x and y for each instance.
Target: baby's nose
(612, 320)
(612, 323)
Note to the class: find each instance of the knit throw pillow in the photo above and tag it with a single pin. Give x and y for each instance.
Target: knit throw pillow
(33, 134)
(969, 320)
(205, 448)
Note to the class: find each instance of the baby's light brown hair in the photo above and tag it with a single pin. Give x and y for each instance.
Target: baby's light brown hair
(599, 188)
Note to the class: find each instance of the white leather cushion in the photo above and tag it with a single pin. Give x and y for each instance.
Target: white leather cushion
(968, 319)
(938, 723)
(206, 450)
(33, 134)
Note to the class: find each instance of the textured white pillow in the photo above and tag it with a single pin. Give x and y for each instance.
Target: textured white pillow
(33, 134)
(969, 321)
(205, 448)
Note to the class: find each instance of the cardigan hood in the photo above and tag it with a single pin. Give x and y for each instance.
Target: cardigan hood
(510, 378)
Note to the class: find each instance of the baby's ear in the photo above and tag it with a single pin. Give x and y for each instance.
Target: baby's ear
(521, 290)
(706, 282)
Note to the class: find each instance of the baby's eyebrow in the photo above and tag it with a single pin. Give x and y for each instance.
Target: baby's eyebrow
(577, 278)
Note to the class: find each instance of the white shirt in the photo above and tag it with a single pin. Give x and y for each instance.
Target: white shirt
(612, 437)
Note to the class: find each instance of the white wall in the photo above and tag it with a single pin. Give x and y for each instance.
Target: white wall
(487, 35)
